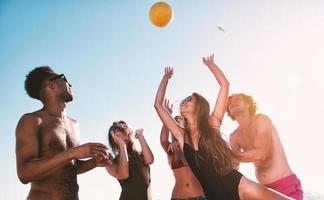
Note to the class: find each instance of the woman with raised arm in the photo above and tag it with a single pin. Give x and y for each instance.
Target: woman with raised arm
(130, 167)
(208, 155)
(186, 186)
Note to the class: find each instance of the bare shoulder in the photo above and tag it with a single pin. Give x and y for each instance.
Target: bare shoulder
(72, 120)
(31, 117)
(74, 123)
(29, 121)
(262, 123)
(262, 118)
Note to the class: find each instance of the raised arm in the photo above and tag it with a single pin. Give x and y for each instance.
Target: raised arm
(164, 115)
(119, 167)
(217, 115)
(32, 167)
(146, 151)
(164, 138)
(164, 135)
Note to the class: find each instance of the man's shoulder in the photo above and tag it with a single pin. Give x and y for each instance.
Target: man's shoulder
(263, 123)
(262, 118)
(28, 123)
(31, 117)
(72, 120)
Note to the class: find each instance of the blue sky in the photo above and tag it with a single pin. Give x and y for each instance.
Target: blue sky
(114, 58)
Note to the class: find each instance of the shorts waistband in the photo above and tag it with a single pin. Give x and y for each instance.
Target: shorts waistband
(284, 181)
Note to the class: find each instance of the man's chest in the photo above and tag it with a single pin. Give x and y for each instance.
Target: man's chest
(246, 139)
(57, 137)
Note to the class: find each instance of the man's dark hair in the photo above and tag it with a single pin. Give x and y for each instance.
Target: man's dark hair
(34, 80)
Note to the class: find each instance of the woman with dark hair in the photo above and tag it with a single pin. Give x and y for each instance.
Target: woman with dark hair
(208, 155)
(186, 186)
(130, 167)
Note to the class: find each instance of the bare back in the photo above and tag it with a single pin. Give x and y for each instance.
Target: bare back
(48, 136)
(272, 164)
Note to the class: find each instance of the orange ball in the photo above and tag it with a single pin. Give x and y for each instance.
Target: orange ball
(160, 14)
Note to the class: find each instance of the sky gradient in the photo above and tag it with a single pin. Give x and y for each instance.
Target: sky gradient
(114, 58)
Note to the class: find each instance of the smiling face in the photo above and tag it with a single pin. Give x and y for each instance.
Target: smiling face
(240, 103)
(188, 105)
(236, 104)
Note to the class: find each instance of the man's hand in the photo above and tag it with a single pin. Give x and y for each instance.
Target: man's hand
(89, 150)
(102, 161)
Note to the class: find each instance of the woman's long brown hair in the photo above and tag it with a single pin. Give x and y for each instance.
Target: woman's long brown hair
(211, 141)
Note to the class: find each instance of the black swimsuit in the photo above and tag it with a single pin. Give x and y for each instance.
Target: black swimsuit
(135, 186)
(216, 187)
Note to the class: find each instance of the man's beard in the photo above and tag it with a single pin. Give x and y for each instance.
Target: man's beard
(67, 97)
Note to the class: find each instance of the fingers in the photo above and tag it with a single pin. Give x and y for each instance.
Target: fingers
(173, 147)
(170, 107)
(98, 152)
(164, 103)
(102, 161)
(97, 145)
(101, 157)
(208, 59)
(167, 105)
(115, 137)
(139, 131)
(96, 149)
(168, 71)
(170, 148)
(109, 160)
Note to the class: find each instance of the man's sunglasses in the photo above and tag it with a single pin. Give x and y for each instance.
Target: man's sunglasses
(60, 76)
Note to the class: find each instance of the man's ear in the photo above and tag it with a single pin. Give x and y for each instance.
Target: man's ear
(50, 84)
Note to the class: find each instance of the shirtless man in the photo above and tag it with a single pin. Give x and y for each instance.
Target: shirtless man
(47, 141)
(256, 140)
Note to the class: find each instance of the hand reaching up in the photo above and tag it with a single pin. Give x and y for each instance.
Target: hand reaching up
(139, 133)
(168, 72)
(209, 61)
(167, 106)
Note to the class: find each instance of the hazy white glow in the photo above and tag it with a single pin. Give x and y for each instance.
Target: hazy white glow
(115, 57)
